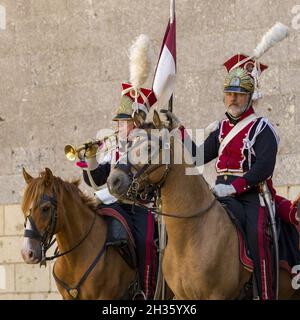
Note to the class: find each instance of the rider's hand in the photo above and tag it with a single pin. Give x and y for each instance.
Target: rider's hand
(90, 163)
(224, 190)
(296, 201)
(90, 157)
(170, 119)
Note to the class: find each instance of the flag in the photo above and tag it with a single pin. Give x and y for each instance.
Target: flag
(164, 78)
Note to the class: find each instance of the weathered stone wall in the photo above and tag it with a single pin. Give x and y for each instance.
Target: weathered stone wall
(61, 66)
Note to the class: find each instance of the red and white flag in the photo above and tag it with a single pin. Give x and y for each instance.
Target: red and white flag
(164, 78)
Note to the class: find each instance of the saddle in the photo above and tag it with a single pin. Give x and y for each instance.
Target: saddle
(288, 239)
(119, 234)
(119, 220)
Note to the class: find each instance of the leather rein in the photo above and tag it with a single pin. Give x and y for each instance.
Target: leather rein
(138, 197)
(46, 240)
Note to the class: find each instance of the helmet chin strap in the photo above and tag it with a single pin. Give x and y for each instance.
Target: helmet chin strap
(244, 109)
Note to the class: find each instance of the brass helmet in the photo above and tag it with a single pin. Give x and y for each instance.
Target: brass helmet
(133, 100)
(242, 70)
(238, 80)
(125, 110)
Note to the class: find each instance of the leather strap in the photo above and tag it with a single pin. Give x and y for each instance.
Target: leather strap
(235, 130)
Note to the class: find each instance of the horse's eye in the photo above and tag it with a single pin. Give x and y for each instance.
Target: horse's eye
(45, 209)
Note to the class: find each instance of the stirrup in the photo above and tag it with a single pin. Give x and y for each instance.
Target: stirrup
(139, 295)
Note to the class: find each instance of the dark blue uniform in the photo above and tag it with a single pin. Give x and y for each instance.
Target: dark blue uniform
(245, 171)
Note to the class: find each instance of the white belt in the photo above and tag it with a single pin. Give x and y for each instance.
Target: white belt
(230, 173)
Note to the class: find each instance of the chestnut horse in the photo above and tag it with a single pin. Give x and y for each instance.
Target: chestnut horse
(201, 259)
(85, 268)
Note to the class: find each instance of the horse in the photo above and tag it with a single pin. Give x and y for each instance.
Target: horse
(201, 259)
(85, 267)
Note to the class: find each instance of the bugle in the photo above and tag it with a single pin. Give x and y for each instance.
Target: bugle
(91, 148)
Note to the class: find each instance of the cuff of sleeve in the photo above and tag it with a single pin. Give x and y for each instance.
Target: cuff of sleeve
(240, 185)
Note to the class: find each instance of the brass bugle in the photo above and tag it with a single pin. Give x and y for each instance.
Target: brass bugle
(88, 149)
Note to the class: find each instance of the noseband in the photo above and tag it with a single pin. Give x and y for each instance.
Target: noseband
(151, 190)
(46, 238)
(141, 177)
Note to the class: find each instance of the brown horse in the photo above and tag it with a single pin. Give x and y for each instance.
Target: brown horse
(85, 267)
(201, 259)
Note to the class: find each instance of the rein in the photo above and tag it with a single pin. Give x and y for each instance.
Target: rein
(57, 255)
(184, 217)
(74, 292)
(142, 175)
(47, 238)
(47, 242)
(134, 193)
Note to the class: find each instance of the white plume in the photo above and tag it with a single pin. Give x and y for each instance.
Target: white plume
(276, 34)
(140, 56)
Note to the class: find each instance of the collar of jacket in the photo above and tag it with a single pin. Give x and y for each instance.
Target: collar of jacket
(234, 121)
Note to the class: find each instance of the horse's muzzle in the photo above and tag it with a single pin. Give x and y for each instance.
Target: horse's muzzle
(118, 183)
(31, 254)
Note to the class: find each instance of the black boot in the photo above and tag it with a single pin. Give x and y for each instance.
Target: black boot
(116, 233)
(117, 237)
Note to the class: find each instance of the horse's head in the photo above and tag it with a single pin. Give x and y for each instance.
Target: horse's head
(145, 165)
(40, 210)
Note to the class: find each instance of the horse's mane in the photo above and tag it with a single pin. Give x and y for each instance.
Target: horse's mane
(73, 187)
(36, 188)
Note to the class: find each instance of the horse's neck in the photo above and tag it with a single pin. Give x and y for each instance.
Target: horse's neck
(77, 222)
(185, 195)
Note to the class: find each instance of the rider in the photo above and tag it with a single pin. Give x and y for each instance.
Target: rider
(246, 146)
(141, 220)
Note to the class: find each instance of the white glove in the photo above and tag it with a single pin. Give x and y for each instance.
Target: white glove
(172, 121)
(296, 203)
(223, 190)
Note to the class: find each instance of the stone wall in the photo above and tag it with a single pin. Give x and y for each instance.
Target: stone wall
(62, 63)
(18, 280)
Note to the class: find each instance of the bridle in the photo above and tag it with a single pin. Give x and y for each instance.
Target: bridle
(151, 190)
(134, 193)
(46, 237)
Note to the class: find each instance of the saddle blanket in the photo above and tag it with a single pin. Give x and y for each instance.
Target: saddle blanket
(289, 251)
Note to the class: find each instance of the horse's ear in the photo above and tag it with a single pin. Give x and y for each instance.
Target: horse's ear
(142, 113)
(48, 177)
(138, 119)
(156, 120)
(27, 176)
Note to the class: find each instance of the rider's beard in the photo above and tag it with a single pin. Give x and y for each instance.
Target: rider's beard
(235, 110)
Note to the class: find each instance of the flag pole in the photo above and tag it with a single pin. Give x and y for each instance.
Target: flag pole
(172, 10)
(172, 16)
(158, 83)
